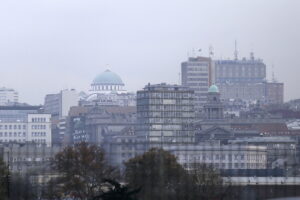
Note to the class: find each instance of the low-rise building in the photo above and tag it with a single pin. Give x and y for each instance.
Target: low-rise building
(221, 156)
(28, 157)
(23, 124)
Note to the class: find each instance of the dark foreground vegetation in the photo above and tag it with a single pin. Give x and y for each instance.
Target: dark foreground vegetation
(81, 172)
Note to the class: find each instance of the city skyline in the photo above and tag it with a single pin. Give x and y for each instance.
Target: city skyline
(47, 47)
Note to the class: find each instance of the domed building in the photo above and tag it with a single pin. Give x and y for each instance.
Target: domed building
(107, 82)
(108, 89)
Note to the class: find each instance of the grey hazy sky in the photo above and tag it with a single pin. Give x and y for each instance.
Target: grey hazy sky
(49, 45)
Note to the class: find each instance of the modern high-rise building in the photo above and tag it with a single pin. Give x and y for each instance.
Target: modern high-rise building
(197, 74)
(8, 96)
(21, 124)
(240, 71)
(243, 91)
(59, 104)
(165, 113)
(241, 79)
(246, 80)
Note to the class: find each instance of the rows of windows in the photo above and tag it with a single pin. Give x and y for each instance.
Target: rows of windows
(38, 127)
(12, 126)
(12, 140)
(198, 79)
(107, 87)
(230, 157)
(189, 114)
(166, 94)
(197, 74)
(205, 84)
(39, 140)
(233, 165)
(12, 134)
(165, 108)
(35, 134)
(38, 119)
(199, 65)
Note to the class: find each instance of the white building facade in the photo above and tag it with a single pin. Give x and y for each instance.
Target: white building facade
(221, 156)
(24, 124)
(59, 104)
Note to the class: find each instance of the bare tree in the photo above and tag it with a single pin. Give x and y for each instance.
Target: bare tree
(83, 171)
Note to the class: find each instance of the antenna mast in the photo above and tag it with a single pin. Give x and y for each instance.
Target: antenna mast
(211, 51)
(235, 50)
(273, 76)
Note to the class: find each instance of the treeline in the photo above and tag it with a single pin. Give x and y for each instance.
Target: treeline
(84, 174)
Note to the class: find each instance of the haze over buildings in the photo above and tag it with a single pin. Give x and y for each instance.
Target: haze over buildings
(61, 44)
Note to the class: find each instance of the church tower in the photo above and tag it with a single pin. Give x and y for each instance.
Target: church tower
(213, 108)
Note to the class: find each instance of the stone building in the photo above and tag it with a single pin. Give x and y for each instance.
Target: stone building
(221, 156)
(92, 124)
(213, 108)
(108, 89)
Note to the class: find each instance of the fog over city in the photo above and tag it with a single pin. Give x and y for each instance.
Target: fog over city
(46, 46)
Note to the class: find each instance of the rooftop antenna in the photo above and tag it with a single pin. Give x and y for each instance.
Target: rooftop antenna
(235, 50)
(199, 51)
(211, 51)
(273, 76)
(252, 55)
(179, 78)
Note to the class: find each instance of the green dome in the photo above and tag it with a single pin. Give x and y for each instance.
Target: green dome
(213, 88)
(108, 78)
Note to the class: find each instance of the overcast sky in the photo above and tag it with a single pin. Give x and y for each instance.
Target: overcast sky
(49, 45)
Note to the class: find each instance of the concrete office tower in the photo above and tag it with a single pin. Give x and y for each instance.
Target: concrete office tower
(240, 71)
(8, 96)
(59, 104)
(165, 113)
(197, 74)
(246, 80)
(21, 124)
(241, 79)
